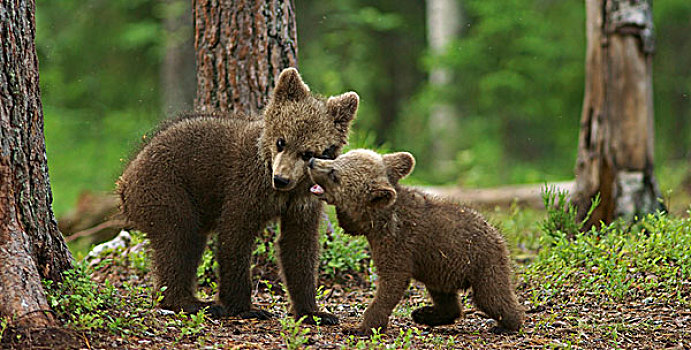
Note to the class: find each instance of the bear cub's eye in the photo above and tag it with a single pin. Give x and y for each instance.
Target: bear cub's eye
(280, 144)
(307, 155)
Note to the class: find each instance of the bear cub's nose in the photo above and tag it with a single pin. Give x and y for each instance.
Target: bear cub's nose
(280, 182)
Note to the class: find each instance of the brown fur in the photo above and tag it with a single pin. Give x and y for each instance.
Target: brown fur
(205, 173)
(413, 234)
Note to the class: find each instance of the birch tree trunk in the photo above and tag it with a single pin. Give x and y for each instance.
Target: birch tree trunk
(241, 46)
(31, 246)
(443, 23)
(615, 151)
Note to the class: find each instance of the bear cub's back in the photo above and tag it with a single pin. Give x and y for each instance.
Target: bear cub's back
(205, 155)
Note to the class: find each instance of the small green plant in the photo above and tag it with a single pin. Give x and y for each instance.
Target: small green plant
(450, 342)
(409, 338)
(206, 274)
(562, 214)
(138, 258)
(157, 296)
(342, 253)
(86, 305)
(350, 343)
(321, 293)
(405, 338)
(376, 336)
(190, 325)
(293, 334)
(404, 308)
(79, 300)
(265, 250)
(272, 293)
(4, 323)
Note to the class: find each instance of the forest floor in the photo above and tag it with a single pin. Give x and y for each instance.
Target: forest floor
(567, 319)
(622, 288)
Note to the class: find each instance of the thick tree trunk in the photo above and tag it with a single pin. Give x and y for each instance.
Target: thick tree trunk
(31, 246)
(178, 76)
(615, 152)
(443, 24)
(241, 46)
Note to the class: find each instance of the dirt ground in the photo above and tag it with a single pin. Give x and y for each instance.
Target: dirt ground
(559, 322)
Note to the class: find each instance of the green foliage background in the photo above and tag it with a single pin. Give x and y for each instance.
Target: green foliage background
(518, 67)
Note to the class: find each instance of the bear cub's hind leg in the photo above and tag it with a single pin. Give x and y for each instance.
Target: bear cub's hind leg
(445, 311)
(175, 261)
(495, 297)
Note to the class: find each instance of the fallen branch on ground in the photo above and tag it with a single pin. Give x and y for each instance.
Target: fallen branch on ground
(111, 224)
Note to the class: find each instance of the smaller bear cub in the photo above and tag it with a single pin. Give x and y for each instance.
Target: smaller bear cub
(414, 234)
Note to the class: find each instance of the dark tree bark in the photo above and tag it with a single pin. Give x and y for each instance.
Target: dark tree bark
(178, 76)
(615, 152)
(241, 46)
(31, 246)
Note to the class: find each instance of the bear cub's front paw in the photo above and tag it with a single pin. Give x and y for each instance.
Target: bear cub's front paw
(212, 310)
(216, 311)
(430, 316)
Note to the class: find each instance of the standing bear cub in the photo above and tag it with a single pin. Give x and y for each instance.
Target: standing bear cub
(415, 235)
(232, 175)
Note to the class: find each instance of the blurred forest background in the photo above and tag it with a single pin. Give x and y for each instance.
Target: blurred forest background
(111, 69)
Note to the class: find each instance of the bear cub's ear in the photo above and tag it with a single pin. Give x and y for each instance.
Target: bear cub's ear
(398, 165)
(290, 86)
(342, 108)
(382, 197)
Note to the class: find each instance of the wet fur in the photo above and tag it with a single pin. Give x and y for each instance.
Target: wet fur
(200, 174)
(413, 234)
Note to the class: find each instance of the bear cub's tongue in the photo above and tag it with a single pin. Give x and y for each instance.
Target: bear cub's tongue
(316, 189)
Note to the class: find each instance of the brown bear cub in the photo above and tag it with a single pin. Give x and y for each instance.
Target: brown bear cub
(413, 234)
(232, 175)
